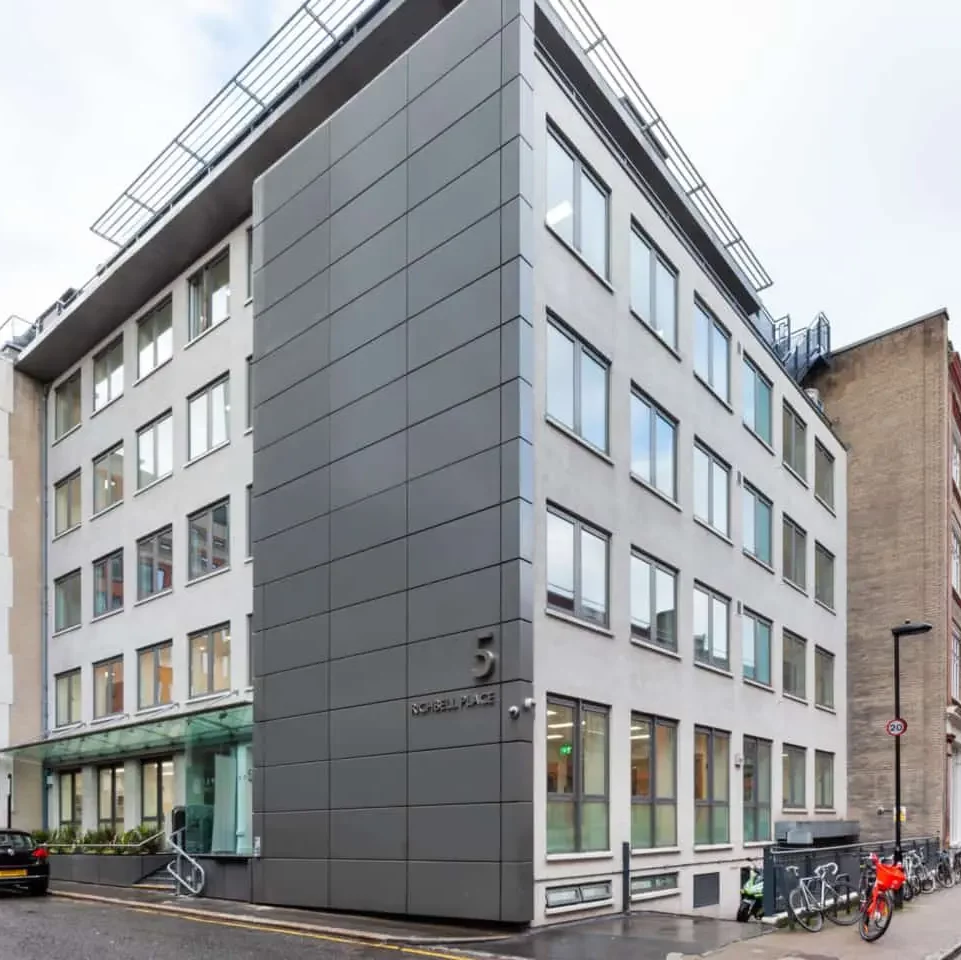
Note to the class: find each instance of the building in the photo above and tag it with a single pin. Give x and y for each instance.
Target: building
(904, 563)
(539, 568)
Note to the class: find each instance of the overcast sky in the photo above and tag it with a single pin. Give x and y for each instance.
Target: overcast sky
(823, 126)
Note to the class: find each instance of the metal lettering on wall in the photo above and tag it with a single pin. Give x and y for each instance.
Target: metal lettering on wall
(465, 701)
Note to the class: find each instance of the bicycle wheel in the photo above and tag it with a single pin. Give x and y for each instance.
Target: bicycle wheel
(908, 890)
(947, 874)
(845, 907)
(874, 923)
(806, 914)
(927, 881)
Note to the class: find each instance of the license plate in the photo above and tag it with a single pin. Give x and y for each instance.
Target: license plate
(6, 874)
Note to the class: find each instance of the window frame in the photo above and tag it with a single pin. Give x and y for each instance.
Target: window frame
(581, 527)
(250, 504)
(210, 540)
(74, 703)
(758, 500)
(757, 620)
(655, 256)
(105, 458)
(822, 555)
(790, 753)
(822, 657)
(711, 802)
(199, 279)
(208, 633)
(108, 563)
(207, 391)
(713, 324)
(111, 688)
(655, 413)
(653, 801)
(955, 662)
(116, 772)
(752, 370)
(789, 450)
(798, 537)
(75, 778)
(713, 596)
(108, 353)
(65, 484)
(154, 652)
(819, 757)
(70, 388)
(152, 429)
(823, 461)
(249, 412)
(249, 234)
(789, 638)
(752, 810)
(150, 319)
(157, 762)
(715, 462)
(154, 539)
(654, 566)
(58, 583)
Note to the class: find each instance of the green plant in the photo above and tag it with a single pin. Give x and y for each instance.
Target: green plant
(41, 837)
(130, 842)
(153, 842)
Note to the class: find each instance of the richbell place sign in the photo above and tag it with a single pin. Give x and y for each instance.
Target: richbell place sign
(463, 701)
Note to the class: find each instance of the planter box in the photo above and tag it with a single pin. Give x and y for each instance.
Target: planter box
(112, 870)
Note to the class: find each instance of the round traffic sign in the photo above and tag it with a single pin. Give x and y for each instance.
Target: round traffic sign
(896, 727)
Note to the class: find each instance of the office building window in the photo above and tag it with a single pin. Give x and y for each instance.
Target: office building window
(250, 262)
(110, 799)
(757, 790)
(108, 479)
(577, 777)
(956, 662)
(824, 575)
(67, 405)
(956, 560)
(209, 296)
(108, 688)
(758, 514)
(66, 592)
(795, 667)
(155, 675)
(250, 650)
(108, 374)
(956, 461)
(757, 401)
(68, 698)
(576, 386)
(208, 533)
(712, 349)
(108, 584)
(250, 392)
(712, 795)
(250, 543)
(823, 780)
(653, 782)
(711, 612)
(795, 553)
(712, 479)
(155, 339)
(824, 475)
(71, 798)
(155, 563)
(577, 574)
(823, 678)
(653, 288)
(156, 791)
(653, 602)
(795, 442)
(756, 648)
(792, 764)
(67, 504)
(210, 661)
(208, 415)
(653, 445)
(155, 451)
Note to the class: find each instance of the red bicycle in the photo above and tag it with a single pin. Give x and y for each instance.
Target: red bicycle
(876, 904)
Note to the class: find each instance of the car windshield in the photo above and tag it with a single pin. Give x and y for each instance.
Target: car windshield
(19, 841)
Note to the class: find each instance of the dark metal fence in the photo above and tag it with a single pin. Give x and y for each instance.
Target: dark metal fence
(779, 881)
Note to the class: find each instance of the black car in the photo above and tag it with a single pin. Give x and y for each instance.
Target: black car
(23, 863)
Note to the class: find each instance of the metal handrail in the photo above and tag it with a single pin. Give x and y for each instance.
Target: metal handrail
(198, 878)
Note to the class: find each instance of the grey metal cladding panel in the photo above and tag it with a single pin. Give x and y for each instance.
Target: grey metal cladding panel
(309, 159)
(517, 54)
(470, 543)
(301, 404)
(466, 200)
(293, 268)
(295, 360)
(459, 34)
(458, 728)
(517, 350)
(517, 230)
(454, 265)
(517, 410)
(442, 663)
(517, 831)
(373, 573)
(517, 892)
(368, 213)
(522, 726)
(517, 171)
(293, 551)
(372, 886)
(295, 739)
(450, 606)
(454, 435)
(378, 519)
(373, 261)
(517, 590)
(454, 491)
(460, 775)
(297, 786)
(372, 366)
(372, 470)
(517, 650)
(455, 151)
(517, 290)
(295, 692)
(378, 833)
(467, 890)
(460, 90)
(369, 730)
(517, 110)
(296, 598)
(370, 315)
(373, 625)
(470, 831)
(517, 470)
(517, 771)
(286, 506)
(370, 108)
(292, 315)
(517, 530)
(297, 644)
(369, 782)
(296, 836)
(512, 9)
(294, 883)
(455, 377)
(368, 678)
(294, 220)
(374, 417)
(369, 161)
(303, 452)
(454, 321)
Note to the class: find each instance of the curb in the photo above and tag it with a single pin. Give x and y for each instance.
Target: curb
(360, 936)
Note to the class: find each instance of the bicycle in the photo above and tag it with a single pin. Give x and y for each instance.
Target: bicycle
(876, 901)
(919, 878)
(817, 897)
(944, 870)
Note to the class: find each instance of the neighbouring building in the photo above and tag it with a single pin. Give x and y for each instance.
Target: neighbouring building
(548, 544)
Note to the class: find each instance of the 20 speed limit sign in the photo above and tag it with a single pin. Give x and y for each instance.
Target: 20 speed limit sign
(896, 727)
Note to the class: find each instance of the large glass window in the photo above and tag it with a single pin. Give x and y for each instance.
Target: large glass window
(653, 602)
(208, 534)
(67, 405)
(824, 575)
(756, 648)
(795, 666)
(792, 765)
(577, 777)
(576, 386)
(712, 793)
(110, 801)
(155, 675)
(108, 584)
(108, 479)
(69, 709)
(795, 553)
(653, 782)
(956, 662)
(108, 688)
(757, 790)
(653, 288)
(209, 295)
(577, 205)
(757, 401)
(956, 560)
(155, 563)
(711, 614)
(210, 661)
(155, 451)
(155, 342)
(712, 349)
(795, 442)
(758, 514)
(653, 445)
(67, 504)
(208, 413)
(156, 791)
(577, 575)
(108, 374)
(823, 780)
(66, 592)
(71, 799)
(712, 480)
(823, 678)
(824, 475)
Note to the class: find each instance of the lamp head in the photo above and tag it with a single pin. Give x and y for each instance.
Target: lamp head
(910, 628)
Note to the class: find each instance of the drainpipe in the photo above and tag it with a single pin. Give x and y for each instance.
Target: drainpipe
(44, 604)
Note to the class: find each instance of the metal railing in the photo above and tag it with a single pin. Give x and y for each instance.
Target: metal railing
(187, 873)
(78, 846)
